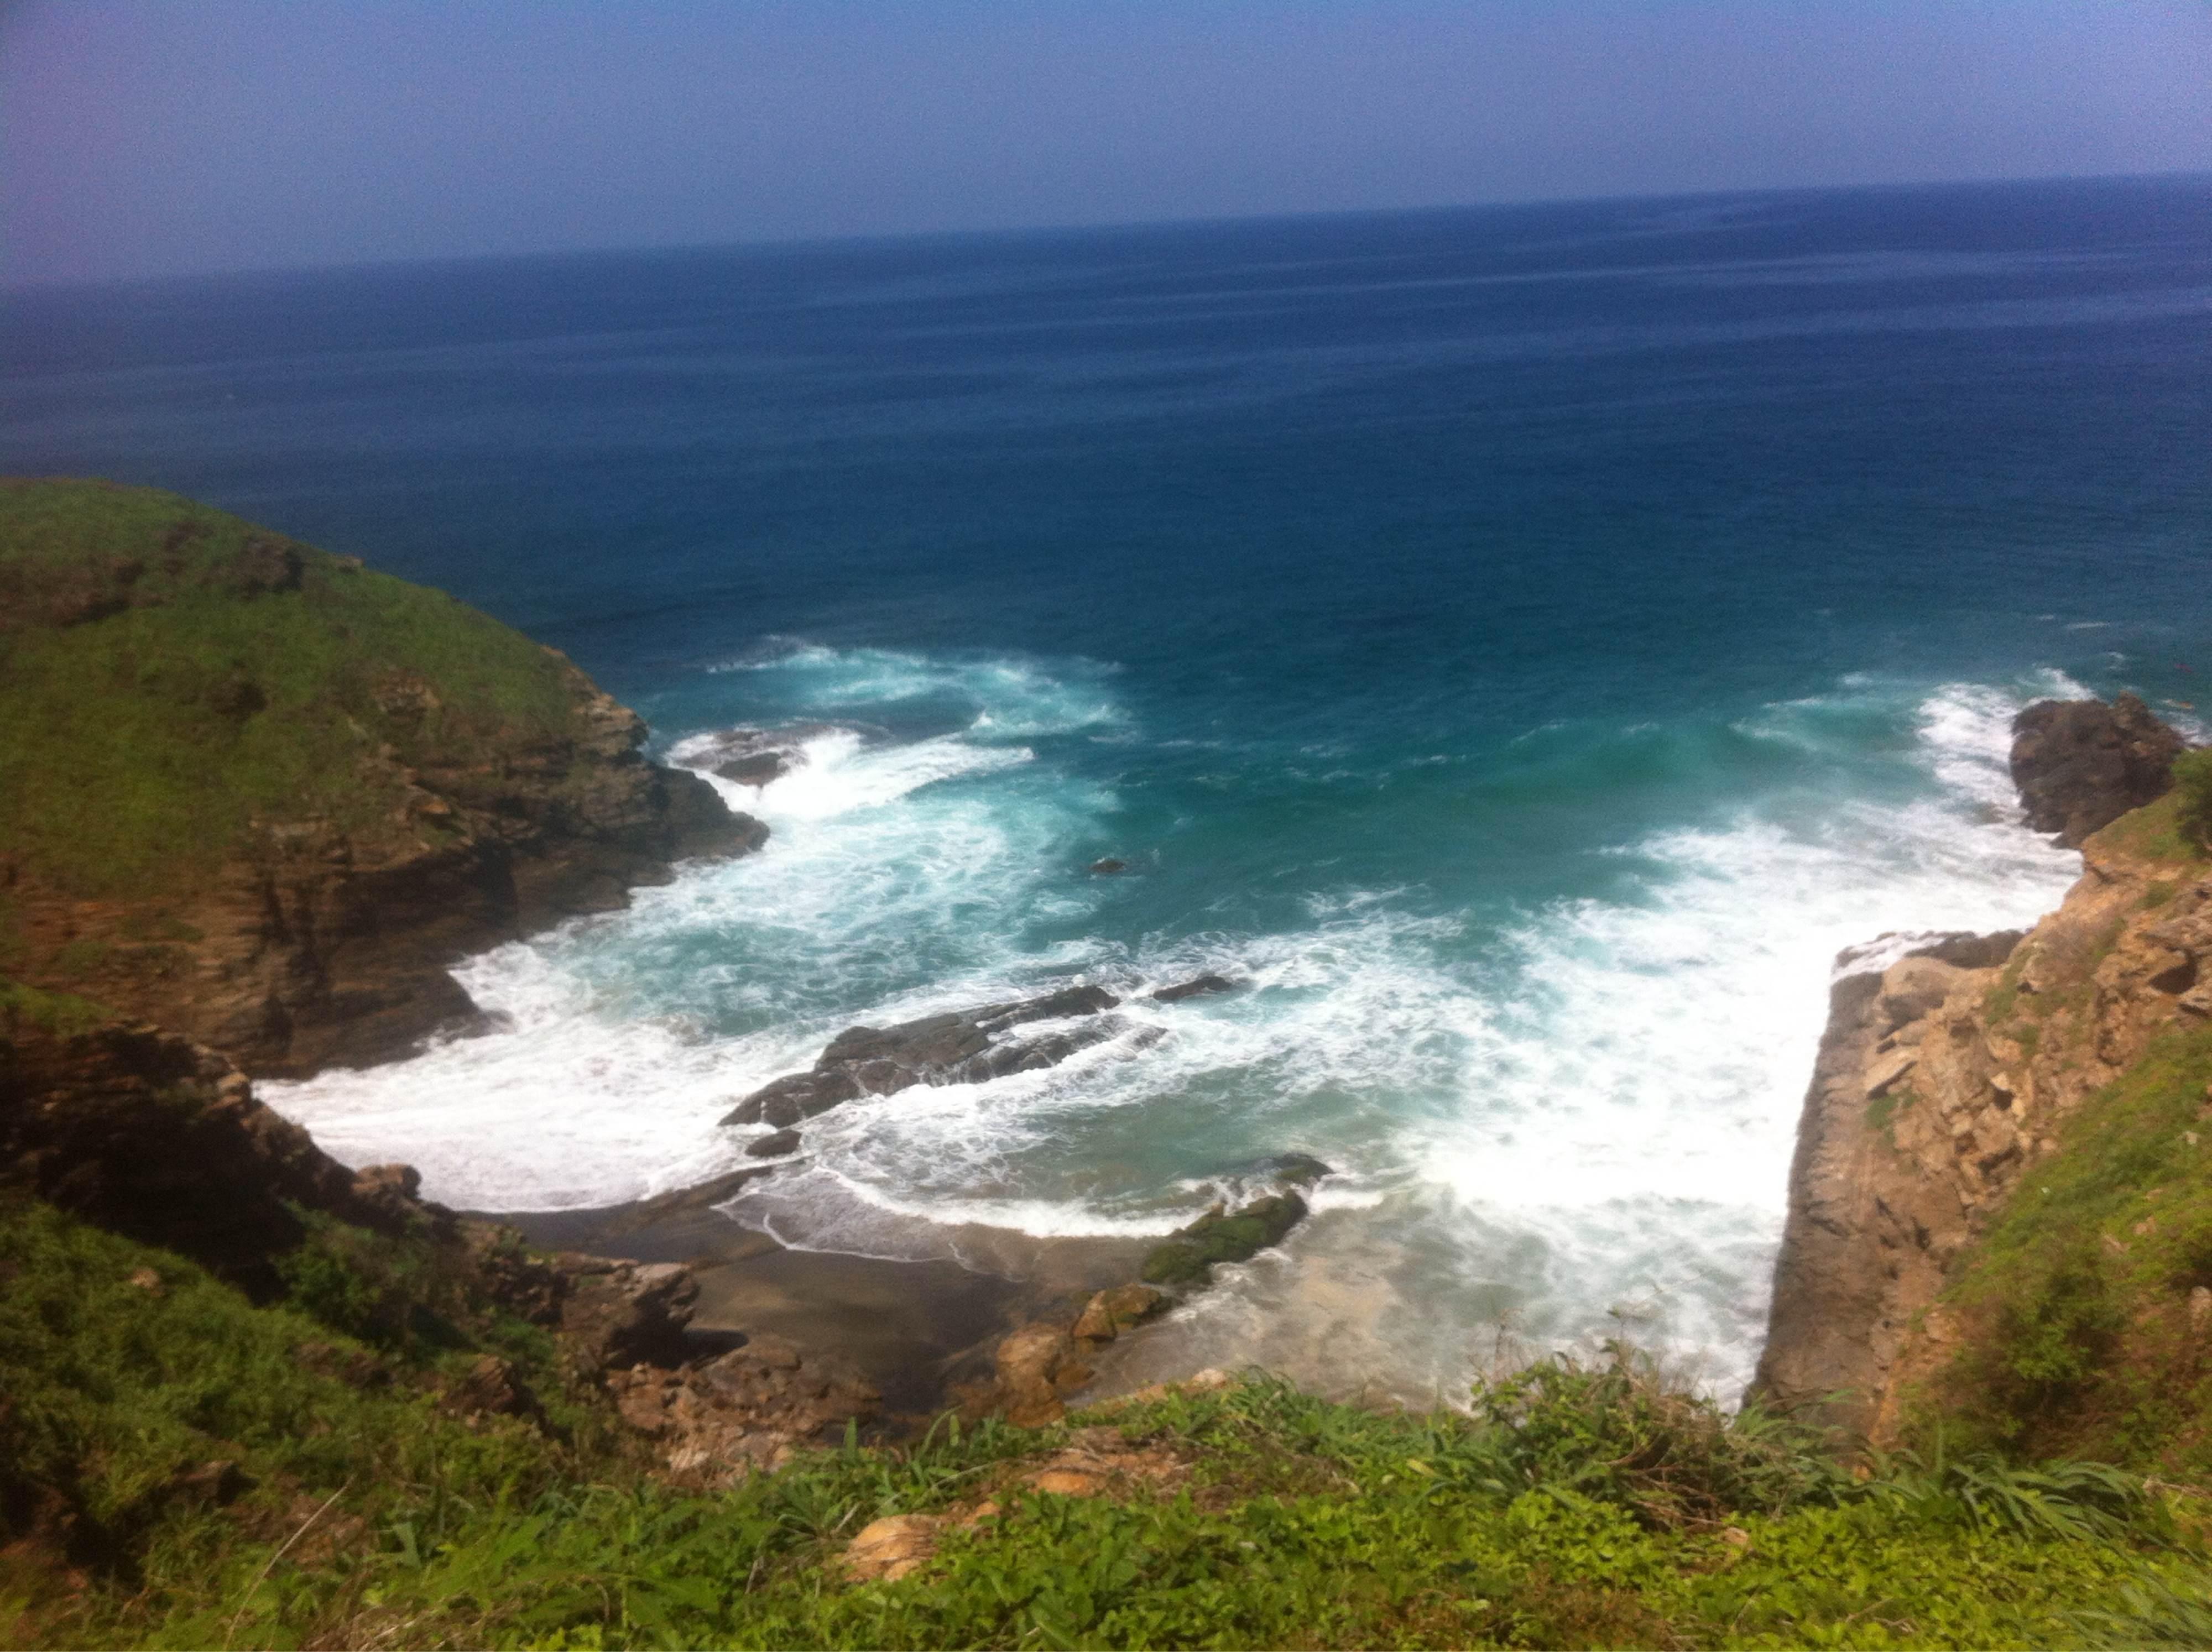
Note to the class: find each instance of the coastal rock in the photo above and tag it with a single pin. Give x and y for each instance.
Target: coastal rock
(757, 770)
(163, 1140)
(750, 756)
(618, 1313)
(1940, 1078)
(744, 1411)
(2081, 764)
(438, 812)
(1122, 1307)
(1035, 1368)
(961, 1048)
(1223, 1236)
(1203, 986)
(775, 1145)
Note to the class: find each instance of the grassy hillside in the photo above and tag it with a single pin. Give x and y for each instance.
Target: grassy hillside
(1572, 1508)
(169, 673)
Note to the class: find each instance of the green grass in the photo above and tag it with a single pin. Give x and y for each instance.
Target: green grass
(136, 749)
(1568, 1506)
(53, 1012)
(2168, 830)
(2192, 795)
(2076, 1306)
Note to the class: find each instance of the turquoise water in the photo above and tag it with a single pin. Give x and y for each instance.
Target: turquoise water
(1524, 645)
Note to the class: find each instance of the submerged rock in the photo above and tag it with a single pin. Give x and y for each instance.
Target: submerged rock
(758, 769)
(1202, 987)
(1109, 867)
(2081, 764)
(961, 1047)
(774, 1146)
(1223, 1236)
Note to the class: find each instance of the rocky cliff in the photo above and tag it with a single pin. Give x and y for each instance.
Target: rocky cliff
(1943, 1081)
(265, 797)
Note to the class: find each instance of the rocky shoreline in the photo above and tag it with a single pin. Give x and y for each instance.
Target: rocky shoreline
(1949, 1062)
(495, 806)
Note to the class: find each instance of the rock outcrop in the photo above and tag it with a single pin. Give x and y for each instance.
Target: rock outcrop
(1940, 1079)
(317, 946)
(334, 784)
(2081, 764)
(162, 1139)
(965, 1046)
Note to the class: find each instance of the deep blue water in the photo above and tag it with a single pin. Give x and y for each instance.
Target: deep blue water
(1524, 643)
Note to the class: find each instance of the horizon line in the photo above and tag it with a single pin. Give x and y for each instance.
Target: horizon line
(1069, 228)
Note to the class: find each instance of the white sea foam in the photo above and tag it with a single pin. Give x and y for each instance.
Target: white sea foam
(1575, 1121)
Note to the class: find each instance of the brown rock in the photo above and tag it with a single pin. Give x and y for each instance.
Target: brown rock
(492, 1387)
(1930, 1094)
(1028, 1365)
(616, 1314)
(313, 945)
(890, 1549)
(746, 1410)
(1111, 1312)
(163, 1140)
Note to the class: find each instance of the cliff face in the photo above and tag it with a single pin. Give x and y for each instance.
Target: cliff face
(1941, 1081)
(263, 795)
(314, 945)
(163, 1140)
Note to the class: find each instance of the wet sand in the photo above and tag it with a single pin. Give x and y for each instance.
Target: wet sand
(914, 1328)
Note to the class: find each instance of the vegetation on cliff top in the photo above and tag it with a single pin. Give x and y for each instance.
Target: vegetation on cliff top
(2086, 1313)
(184, 1468)
(169, 673)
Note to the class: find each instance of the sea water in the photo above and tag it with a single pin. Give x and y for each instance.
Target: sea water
(1520, 646)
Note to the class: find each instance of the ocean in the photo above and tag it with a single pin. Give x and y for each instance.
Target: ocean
(1520, 645)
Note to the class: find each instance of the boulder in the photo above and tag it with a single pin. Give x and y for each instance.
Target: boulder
(1912, 987)
(1107, 867)
(1223, 1235)
(889, 1549)
(1109, 1313)
(957, 1048)
(2081, 764)
(1035, 1368)
(774, 1146)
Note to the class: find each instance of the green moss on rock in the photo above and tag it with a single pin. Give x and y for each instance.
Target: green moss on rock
(1223, 1236)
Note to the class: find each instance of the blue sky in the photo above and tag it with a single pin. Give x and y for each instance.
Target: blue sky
(196, 135)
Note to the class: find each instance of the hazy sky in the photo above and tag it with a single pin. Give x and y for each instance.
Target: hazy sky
(192, 135)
